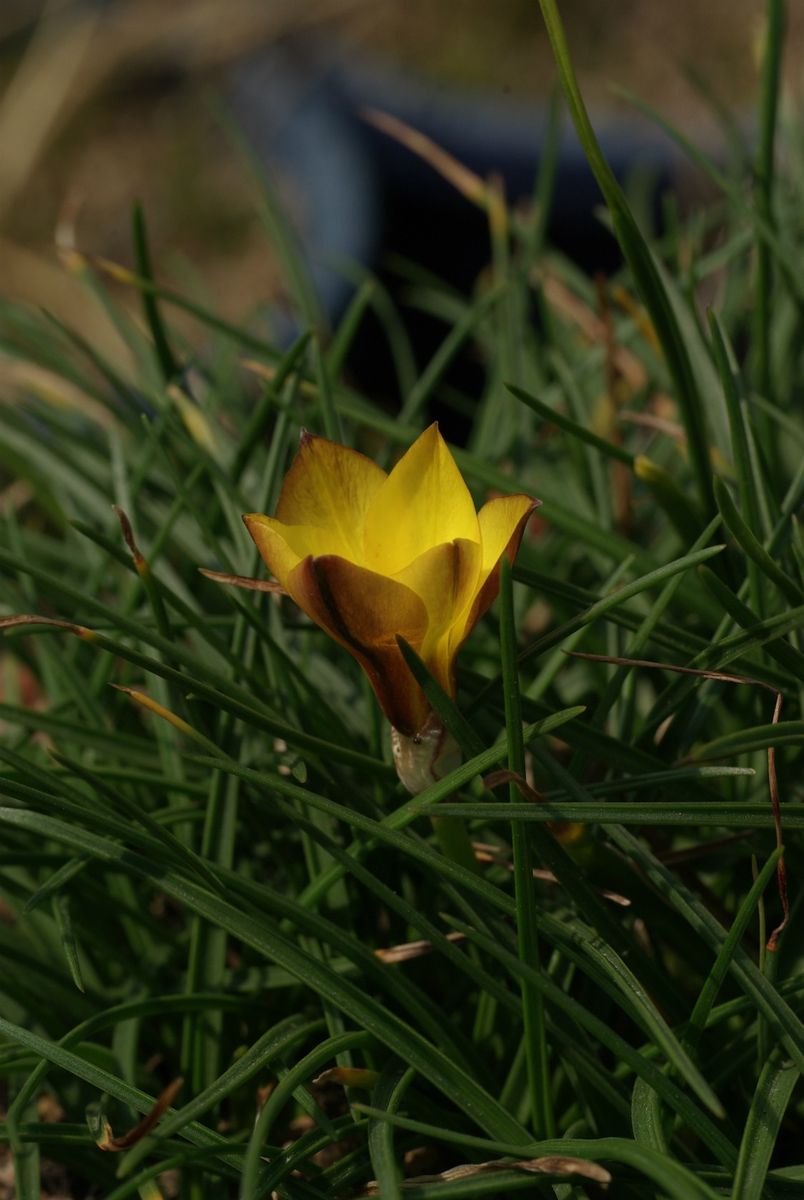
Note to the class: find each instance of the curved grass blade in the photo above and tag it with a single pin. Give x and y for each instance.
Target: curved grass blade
(272, 1045)
(746, 480)
(105, 1081)
(291, 363)
(601, 608)
(387, 1095)
(228, 700)
(713, 982)
(295, 1077)
(108, 1018)
(682, 513)
(64, 924)
(760, 737)
(687, 1110)
(772, 1096)
(767, 998)
(352, 1000)
(753, 548)
(646, 1117)
(672, 1177)
(583, 946)
(778, 648)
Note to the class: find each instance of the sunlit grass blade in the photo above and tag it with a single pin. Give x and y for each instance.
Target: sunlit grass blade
(291, 362)
(773, 49)
(642, 263)
(164, 354)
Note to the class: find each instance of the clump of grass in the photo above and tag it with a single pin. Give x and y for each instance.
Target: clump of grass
(209, 871)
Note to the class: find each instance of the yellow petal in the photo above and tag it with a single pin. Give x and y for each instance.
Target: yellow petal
(502, 522)
(365, 611)
(269, 539)
(424, 502)
(499, 520)
(300, 539)
(330, 487)
(446, 579)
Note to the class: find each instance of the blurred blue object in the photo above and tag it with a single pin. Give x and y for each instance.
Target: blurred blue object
(358, 194)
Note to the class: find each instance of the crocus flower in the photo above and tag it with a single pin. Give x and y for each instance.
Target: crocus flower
(369, 555)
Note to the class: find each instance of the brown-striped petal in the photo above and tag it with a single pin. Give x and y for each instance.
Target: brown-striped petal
(365, 612)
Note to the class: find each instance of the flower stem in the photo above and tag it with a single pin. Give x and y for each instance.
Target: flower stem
(421, 760)
(536, 1050)
(454, 840)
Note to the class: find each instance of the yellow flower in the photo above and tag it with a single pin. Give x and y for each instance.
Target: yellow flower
(369, 556)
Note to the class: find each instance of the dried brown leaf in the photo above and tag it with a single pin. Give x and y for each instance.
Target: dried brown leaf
(462, 179)
(143, 1127)
(552, 1164)
(408, 950)
(243, 581)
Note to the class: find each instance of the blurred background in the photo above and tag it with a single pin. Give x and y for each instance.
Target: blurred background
(106, 103)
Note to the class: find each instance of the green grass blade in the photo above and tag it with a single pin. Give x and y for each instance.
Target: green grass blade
(762, 1127)
(601, 608)
(760, 737)
(273, 1044)
(714, 981)
(292, 1080)
(642, 263)
(443, 706)
(689, 1112)
(164, 355)
(753, 548)
(721, 814)
(98, 1078)
(778, 1014)
(61, 911)
(536, 1051)
(765, 180)
(446, 352)
(387, 1095)
(399, 1037)
(672, 1177)
(290, 363)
